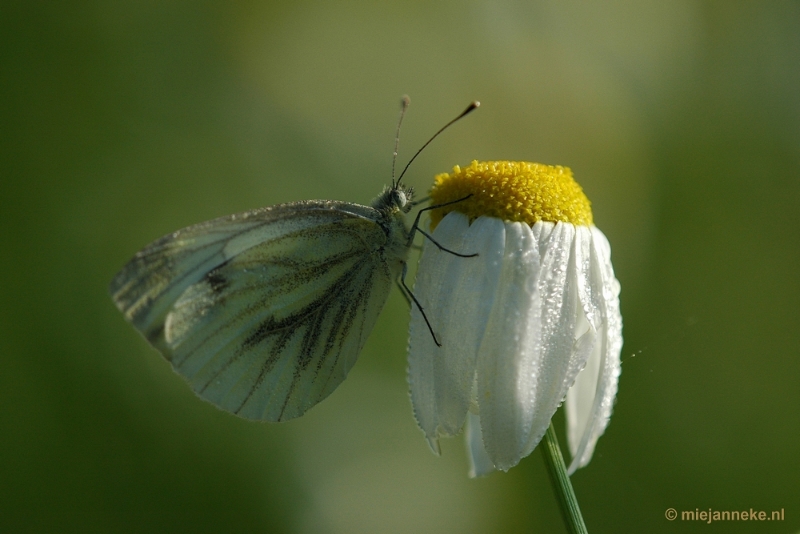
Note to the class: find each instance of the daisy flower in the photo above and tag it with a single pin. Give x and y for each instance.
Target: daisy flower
(531, 321)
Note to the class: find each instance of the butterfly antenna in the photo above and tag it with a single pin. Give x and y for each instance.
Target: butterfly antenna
(405, 101)
(464, 113)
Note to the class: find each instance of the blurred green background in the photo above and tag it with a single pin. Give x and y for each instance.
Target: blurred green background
(123, 121)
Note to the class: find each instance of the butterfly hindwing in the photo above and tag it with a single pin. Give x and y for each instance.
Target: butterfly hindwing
(264, 313)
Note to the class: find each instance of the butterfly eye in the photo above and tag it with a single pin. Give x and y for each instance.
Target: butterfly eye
(399, 198)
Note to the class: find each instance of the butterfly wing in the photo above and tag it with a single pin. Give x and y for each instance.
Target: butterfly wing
(264, 313)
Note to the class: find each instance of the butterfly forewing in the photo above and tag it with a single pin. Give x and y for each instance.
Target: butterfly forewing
(265, 312)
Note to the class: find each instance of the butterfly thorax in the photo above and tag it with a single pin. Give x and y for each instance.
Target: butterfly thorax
(393, 203)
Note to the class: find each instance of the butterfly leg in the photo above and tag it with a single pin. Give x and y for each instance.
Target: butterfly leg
(415, 228)
(408, 293)
(443, 249)
(403, 291)
(420, 201)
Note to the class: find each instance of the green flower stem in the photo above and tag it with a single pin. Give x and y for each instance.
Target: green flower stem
(561, 484)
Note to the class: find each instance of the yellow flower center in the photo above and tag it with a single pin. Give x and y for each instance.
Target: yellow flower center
(512, 191)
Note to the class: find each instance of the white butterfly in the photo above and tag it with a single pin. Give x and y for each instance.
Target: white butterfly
(265, 312)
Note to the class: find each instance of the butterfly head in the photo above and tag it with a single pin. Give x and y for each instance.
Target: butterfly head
(395, 199)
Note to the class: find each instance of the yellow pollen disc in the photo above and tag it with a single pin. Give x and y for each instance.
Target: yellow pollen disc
(512, 191)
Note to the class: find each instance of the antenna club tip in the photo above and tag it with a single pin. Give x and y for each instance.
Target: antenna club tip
(405, 100)
(472, 107)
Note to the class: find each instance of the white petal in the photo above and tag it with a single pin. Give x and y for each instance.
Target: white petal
(441, 378)
(580, 396)
(585, 331)
(536, 342)
(590, 400)
(479, 462)
(508, 361)
(567, 336)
